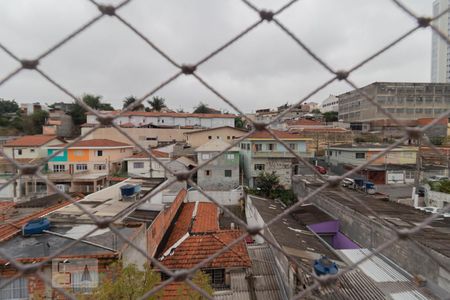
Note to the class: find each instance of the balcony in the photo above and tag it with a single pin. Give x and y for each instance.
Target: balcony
(279, 154)
(66, 175)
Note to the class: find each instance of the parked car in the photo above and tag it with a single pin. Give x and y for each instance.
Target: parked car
(430, 209)
(438, 178)
(347, 182)
(421, 191)
(321, 170)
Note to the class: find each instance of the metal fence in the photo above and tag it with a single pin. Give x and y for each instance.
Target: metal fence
(186, 69)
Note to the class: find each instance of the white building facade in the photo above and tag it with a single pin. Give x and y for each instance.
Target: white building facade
(330, 104)
(440, 51)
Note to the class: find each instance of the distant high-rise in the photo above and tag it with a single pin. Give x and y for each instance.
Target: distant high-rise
(440, 51)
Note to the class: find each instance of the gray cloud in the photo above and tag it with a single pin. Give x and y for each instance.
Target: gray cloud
(264, 69)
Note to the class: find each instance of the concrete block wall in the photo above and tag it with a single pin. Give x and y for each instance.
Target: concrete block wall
(369, 233)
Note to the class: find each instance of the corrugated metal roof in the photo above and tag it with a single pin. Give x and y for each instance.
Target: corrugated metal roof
(390, 278)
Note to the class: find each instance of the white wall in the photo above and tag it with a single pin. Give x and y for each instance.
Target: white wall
(223, 197)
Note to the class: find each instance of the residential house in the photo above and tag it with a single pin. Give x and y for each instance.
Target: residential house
(94, 254)
(262, 153)
(397, 165)
(85, 165)
(142, 165)
(146, 137)
(195, 236)
(197, 138)
(142, 118)
(30, 108)
(29, 149)
(223, 172)
(59, 123)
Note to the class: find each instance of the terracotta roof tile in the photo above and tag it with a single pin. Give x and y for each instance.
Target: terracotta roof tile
(30, 140)
(196, 248)
(95, 143)
(206, 218)
(305, 122)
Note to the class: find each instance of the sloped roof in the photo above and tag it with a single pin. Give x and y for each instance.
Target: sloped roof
(278, 133)
(196, 248)
(156, 153)
(306, 122)
(95, 143)
(215, 146)
(204, 239)
(31, 140)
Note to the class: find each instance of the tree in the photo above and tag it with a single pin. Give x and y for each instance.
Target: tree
(157, 103)
(201, 108)
(316, 111)
(129, 101)
(238, 122)
(202, 280)
(266, 182)
(330, 116)
(78, 113)
(126, 283)
(8, 106)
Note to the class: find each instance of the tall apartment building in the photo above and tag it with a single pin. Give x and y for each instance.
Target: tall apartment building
(440, 51)
(405, 101)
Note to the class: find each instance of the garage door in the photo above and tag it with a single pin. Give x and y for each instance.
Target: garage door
(396, 177)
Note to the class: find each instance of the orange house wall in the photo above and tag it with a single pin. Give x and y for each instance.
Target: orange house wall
(75, 158)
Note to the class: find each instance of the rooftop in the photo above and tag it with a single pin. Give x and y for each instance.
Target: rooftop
(156, 153)
(31, 140)
(216, 128)
(372, 146)
(280, 134)
(167, 114)
(95, 143)
(196, 235)
(216, 146)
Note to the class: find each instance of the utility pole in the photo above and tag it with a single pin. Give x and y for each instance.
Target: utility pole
(417, 177)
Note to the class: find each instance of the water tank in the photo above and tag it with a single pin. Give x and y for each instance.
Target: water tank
(36, 226)
(325, 266)
(127, 190)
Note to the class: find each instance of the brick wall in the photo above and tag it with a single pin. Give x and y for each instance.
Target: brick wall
(158, 228)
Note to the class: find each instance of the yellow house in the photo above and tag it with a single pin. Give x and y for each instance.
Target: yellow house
(225, 133)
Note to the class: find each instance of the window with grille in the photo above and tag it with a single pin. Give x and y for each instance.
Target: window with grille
(360, 155)
(259, 167)
(59, 168)
(228, 173)
(258, 147)
(16, 290)
(81, 167)
(138, 165)
(217, 277)
(230, 156)
(99, 153)
(99, 167)
(271, 147)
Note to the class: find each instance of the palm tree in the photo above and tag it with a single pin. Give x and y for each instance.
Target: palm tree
(129, 101)
(157, 104)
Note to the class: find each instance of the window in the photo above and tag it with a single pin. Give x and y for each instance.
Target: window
(122, 150)
(151, 138)
(207, 172)
(81, 167)
(138, 165)
(99, 153)
(228, 173)
(99, 167)
(218, 137)
(230, 156)
(360, 155)
(228, 137)
(248, 146)
(217, 277)
(209, 137)
(259, 167)
(31, 150)
(205, 156)
(292, 146)
(17, 289)
(59, 168)
(271, 147)
(19, 151)
(258, 147)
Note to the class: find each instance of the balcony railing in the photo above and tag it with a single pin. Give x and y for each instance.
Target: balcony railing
(279, 154)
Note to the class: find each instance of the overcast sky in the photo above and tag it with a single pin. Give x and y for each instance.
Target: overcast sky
(263, 69)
